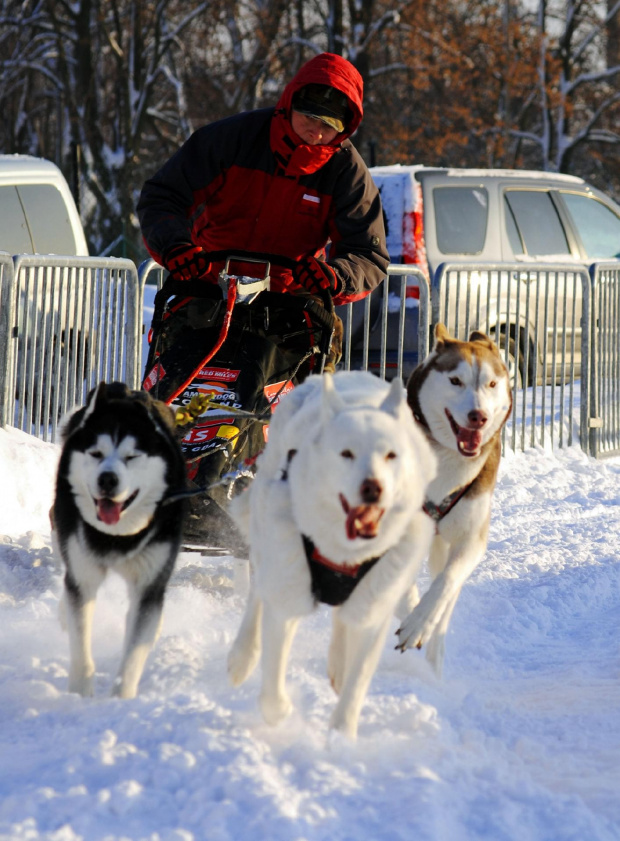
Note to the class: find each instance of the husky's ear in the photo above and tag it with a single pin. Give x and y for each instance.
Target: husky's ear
(96, 399)
(95, 395)
(331, 401)
(77, 417)
(441, 334)
(394, 399)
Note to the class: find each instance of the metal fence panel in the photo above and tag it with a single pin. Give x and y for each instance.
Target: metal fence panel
(150, 272)
(380, 341)
(390, 324)
(604, 423)
(539, 316)
(67, 323)
(75, 323)
(7, 309)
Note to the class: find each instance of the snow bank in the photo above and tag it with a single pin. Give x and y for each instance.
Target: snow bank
(520, 740)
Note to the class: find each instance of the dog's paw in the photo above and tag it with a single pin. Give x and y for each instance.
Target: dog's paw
(123, 688)
(340, 745)
(82, 684)
(343, 729)
(417, 628)
(275, 708)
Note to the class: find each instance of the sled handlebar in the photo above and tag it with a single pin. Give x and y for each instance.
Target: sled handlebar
(248, 288)
(235, 259)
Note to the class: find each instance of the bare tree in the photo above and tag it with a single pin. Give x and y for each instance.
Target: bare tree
(613, 34)
(577, 89)
(101, 77)
(482, 82)
(446, 78)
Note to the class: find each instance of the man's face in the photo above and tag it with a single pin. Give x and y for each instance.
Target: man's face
(311, 130)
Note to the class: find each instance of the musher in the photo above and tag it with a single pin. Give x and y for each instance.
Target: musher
(283, 185)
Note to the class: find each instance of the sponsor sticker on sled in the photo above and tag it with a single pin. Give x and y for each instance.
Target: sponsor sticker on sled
(223, 375)
(155, 375)
(207, 432)
(219, 395)
(221, 398)
(276, 391)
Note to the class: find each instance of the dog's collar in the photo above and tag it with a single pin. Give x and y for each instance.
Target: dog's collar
(438, 512)
(333, 583)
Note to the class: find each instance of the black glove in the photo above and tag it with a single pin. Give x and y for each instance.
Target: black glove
(317, 275)
(187, 262)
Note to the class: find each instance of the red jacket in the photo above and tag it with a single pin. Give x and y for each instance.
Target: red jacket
(249, 186)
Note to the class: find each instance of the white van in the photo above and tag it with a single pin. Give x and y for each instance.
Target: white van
(38, 214)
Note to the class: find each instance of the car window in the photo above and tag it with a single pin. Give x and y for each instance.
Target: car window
(14, 235)
(598, 225)
(514, 237)
(48, 219)
(460, 219)
(537, 221)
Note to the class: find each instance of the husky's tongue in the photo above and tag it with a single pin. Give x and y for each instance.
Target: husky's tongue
(362, 520)
(108, 511)
(468, 441)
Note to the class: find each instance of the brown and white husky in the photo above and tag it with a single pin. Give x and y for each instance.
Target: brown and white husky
(460, 396)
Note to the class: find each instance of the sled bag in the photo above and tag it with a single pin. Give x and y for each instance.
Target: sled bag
(267, 351)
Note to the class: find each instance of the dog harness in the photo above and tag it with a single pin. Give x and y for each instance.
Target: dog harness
(438, 512)
(333, 583)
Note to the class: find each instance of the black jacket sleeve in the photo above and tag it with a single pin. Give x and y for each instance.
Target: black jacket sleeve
(171, 199)
(358, 252)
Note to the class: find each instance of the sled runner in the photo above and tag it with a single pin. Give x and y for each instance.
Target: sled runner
(239, 347)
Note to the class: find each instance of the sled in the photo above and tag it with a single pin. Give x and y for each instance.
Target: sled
(233, 350)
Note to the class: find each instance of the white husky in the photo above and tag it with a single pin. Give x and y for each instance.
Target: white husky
(460, 396)
(334, 515)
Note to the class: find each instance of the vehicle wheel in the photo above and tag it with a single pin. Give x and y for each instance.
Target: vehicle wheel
(514, 362)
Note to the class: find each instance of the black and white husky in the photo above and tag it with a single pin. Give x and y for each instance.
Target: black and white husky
(114, 510)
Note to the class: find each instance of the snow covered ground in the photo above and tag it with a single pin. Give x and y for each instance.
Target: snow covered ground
(520, 741)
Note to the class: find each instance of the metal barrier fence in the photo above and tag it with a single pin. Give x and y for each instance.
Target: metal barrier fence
(540, 317)
(72, 322)
(7, 309)
(604, 406)
(67, 323)
(388, 331)
(371, 324)
(150, 272)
